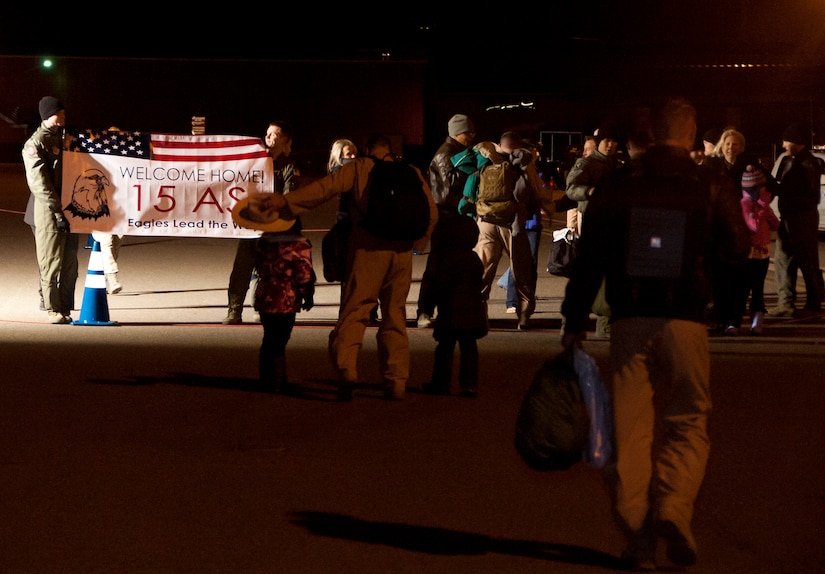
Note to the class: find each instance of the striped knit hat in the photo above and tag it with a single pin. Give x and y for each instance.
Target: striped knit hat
(753, 177)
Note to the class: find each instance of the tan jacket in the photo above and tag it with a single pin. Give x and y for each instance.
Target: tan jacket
(352, 178)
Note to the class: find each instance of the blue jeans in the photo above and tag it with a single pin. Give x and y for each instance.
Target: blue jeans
(506, 279)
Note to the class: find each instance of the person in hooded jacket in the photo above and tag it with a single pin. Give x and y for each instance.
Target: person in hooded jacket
(462, 312)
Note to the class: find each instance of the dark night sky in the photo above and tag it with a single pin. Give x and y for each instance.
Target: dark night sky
(697, 30)
(617, 51)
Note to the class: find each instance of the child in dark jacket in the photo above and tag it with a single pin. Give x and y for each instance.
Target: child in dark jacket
(462, 312)
(286, 284)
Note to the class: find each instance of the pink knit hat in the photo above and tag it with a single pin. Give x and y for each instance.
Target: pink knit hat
(753, 177)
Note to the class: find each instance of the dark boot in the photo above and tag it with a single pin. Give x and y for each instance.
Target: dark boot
(233, 315)
(266, 370)
(281, 381)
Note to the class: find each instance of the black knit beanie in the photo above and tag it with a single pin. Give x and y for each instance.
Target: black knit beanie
(49, 106)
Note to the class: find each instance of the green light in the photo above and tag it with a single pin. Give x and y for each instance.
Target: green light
(47, 63)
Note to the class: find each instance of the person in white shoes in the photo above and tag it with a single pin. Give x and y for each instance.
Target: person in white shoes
(109, 251)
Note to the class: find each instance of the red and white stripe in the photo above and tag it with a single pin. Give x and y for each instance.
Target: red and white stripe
(214, 148)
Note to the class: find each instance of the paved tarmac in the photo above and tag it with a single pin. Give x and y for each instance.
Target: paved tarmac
(144, 447)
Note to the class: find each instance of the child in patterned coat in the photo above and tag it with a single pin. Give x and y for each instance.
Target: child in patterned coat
(286, 285)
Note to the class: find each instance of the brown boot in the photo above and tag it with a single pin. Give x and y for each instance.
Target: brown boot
(233, 316)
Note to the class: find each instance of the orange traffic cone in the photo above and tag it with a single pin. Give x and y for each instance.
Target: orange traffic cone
(95, 308)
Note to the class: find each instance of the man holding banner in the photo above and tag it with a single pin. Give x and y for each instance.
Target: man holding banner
(56, 246)
(279, 145)
(134, 183)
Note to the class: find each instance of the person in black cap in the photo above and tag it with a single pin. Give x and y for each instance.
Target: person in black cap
(56, 246)
(581, 182)
(710, 139)
(797, 242)
(588, 170)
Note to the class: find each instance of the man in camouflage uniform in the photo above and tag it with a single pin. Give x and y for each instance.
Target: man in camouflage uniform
(56, 246)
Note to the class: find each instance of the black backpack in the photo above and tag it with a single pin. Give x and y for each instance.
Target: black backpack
(397, 204)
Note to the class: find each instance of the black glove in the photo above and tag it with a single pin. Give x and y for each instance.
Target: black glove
(308, 303)
(61, 223)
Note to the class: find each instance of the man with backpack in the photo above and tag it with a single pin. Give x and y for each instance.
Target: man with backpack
(501, 187)
(651, 235)
(380, 269)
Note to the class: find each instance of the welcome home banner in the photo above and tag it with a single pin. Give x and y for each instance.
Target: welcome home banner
(133, 183)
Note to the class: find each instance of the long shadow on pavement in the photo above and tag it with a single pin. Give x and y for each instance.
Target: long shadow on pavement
(312, 390)
(443, 541)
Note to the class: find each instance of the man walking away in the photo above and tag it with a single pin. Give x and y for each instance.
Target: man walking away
(649, 234)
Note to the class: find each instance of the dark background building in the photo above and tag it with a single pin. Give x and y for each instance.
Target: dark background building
(755, 65)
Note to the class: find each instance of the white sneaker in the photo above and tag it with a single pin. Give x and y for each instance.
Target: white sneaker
(56, 318)
(756, 323)
(113, 286)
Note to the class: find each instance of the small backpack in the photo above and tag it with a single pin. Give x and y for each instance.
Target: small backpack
(397, 204)
(495, 203)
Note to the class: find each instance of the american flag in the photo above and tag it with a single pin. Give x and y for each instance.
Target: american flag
(114, 143)
(167, 147)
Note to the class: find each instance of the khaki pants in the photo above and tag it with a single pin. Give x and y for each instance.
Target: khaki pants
(378, 275)
(667, 362)
(493, 241)
(109, 250)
